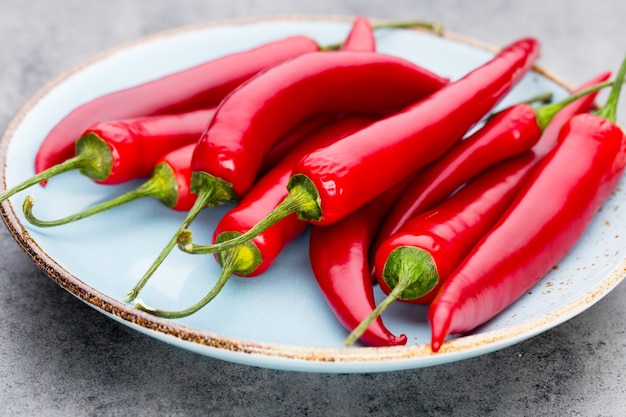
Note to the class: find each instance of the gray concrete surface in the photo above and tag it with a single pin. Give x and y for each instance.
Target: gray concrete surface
(60, 357)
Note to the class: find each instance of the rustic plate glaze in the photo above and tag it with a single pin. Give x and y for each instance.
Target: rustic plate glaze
(278, 320)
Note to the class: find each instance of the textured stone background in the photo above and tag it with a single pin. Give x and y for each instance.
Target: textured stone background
(60, 357)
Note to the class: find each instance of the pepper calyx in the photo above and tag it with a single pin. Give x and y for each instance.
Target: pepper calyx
(96, 156)
(411, 268)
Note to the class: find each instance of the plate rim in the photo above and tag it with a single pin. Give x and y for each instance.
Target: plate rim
(455, 349)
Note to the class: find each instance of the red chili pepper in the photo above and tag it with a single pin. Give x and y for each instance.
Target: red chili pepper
(254, 257)
(544, 222)
(334, 181)
(504, 135)
(415, 260)
(201, 86)
(501, 137)
(265, 107)
(338, 252)
(361, 36)
(339, 260)
(280, 148)
(171, 175)
(118, 151)
(170, 183)
(226, 159)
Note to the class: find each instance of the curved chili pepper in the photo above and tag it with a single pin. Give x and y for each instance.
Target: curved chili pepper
(357, 32)
(414, 261)
(543, 223)
(170, 183)
(339, 260)
(507, 133)
(226, 158)
(171, 177)
(501, 137)
(118, 151)
(334, 181)
(201, 86)
(254, 257)
(361, 36)
(429, 244)
(339, 252)
(265, 107)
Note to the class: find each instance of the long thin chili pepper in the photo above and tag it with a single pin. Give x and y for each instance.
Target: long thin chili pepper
(256, 256)
(414, 261)
(500, 138)
(201, 86)
(542, 225)
(171, 177)
(339, 252)
(361, 36)
(248, 122)
(332, 182)
(262, 109)
(358, 31)
(340, 264)
(118, 151)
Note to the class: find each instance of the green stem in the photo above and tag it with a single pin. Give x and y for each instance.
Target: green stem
(609, 110)
(93, 158)
(435, 27)
(410, 272)
(228, 269)
(211, 192)
(200, 203)
(68, 165)
(302, 199)
(543, 98)
(544, 114)
(162, 185)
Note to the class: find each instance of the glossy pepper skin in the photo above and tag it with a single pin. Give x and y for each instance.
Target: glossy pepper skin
(136, 145)
(118, 151)
(332, 182)
(261, 110)
(340, 264)
(271, 189)
(170, 179)
(201, 86)
(506, 134)
(418, 257)
(415, 215)
(447, 232)
(413, 137)
(543, 223)
(254, 257)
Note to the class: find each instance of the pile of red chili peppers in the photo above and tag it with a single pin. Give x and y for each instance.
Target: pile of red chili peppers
(465, 223)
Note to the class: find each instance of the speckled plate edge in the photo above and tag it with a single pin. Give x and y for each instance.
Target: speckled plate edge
(279, 356)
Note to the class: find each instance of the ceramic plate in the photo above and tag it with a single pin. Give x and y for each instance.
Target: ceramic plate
(278, 320)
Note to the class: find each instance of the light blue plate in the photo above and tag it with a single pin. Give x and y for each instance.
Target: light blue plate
(280, 319)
